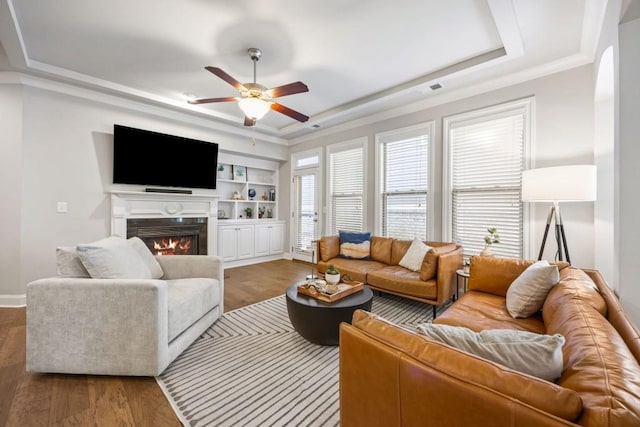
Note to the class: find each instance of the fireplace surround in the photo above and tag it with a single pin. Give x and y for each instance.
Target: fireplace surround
(177, 220)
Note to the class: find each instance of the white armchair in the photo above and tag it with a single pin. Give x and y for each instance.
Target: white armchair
(122, 326)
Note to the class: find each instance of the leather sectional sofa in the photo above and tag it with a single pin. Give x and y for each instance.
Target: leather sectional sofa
(394, 377)
(434, 284)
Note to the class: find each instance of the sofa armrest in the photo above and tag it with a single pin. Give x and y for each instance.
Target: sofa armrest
(97, 326)
(383, 383)
(448, 263)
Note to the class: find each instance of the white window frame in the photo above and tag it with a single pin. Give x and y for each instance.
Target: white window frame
(527, 106)
(361, 142)
(318, 168)
(413, 131)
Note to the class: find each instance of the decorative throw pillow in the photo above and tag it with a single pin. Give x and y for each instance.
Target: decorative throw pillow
(527, 352)
(113, 258)
(69, 264)
(527, 293)
(412, 260)
(147, 257)
(355, 245)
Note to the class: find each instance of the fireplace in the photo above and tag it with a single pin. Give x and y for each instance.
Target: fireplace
(177, 223)
(171, 236)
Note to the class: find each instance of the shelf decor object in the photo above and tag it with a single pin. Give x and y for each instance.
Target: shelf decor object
(239, 173)
(575, 183)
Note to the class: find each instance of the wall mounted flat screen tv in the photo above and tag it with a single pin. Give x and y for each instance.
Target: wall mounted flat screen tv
(150, 158)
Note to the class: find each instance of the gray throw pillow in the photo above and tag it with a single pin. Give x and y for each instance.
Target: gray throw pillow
(527, 352)
(113, 258)
(68, 263)
(148, 258)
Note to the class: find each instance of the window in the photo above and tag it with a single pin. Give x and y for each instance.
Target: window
(305, 200)
(403, 182)
(346, 186)
(485, 154)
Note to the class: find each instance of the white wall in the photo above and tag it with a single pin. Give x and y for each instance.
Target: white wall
(60, 149)
(10, 190)
(563, 134)
(629, 167)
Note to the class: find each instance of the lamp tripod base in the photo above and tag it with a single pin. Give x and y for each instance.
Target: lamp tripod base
(561, 240)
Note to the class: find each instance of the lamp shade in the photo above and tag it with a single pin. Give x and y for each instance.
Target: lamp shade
(254, 108)
(573, 183)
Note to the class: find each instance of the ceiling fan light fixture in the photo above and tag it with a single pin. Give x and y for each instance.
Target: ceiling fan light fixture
(254, 108)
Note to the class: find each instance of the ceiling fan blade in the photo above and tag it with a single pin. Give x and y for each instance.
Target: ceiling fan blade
(226, 77)
(290, 89)
(208, 100)
(289, 112)
(248, 121)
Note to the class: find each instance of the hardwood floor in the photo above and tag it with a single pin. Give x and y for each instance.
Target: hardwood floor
(29, 399)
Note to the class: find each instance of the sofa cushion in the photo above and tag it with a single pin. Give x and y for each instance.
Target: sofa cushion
(188, 301)
(399, 280)
(113, 258)
(381, 249)
(598, 363)
(68, 263)
(527, 293)
(544, 395)
(534, 354)
(355, 245)
(356, 269)
(479, 311)
(147, 257)
(329, 247)
(414, 256)
(429, 268)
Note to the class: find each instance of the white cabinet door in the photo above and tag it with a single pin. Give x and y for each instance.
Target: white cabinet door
(262, 243)
(228, 242)
(245, 241)
(276, 239)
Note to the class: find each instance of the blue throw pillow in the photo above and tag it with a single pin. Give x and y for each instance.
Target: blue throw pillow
(355, 245)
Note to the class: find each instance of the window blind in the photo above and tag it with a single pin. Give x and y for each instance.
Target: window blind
(404, 196)
(487, 159)
(347, 189)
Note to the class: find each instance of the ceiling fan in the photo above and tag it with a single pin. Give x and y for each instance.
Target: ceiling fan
(256, 100)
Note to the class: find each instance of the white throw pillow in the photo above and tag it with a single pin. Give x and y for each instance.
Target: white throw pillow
(527, 293)
(113, 258)
(152, 264)
(526, 352)
(68, 263)
(414, 256)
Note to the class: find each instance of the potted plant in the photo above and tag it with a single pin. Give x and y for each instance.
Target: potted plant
(489, 240)
(248, 212)
(332, 275)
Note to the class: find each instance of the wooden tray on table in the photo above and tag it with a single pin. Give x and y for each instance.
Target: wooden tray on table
(344, 290)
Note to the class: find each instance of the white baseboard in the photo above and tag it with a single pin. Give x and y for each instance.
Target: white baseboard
(8, 301)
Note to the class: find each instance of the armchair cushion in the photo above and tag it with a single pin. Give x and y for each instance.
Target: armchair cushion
(113, 258)
(188, 301)
(429, 266)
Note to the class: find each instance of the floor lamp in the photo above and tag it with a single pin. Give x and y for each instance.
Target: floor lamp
(575, 183)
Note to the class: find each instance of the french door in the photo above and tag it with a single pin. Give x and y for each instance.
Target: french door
(305, 218)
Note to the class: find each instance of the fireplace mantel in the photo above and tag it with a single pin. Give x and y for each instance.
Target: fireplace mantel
(138, 204)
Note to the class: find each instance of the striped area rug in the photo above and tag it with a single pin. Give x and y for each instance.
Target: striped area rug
(252, 369)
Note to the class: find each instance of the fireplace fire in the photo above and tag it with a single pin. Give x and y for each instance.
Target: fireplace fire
(181, 246)
(171, 236)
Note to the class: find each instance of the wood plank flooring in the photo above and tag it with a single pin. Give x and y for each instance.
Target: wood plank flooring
(29, 399)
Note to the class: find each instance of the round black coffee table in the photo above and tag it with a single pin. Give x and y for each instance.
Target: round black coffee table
(319, 322)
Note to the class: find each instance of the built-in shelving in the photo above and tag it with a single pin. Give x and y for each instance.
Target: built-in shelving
(235, 193)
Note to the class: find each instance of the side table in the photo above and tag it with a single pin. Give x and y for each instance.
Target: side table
(464, 275)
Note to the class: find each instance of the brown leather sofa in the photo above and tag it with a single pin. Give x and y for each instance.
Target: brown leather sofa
(434, 284)
(393, 377)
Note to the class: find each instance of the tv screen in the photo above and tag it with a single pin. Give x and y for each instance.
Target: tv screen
(150, 158)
